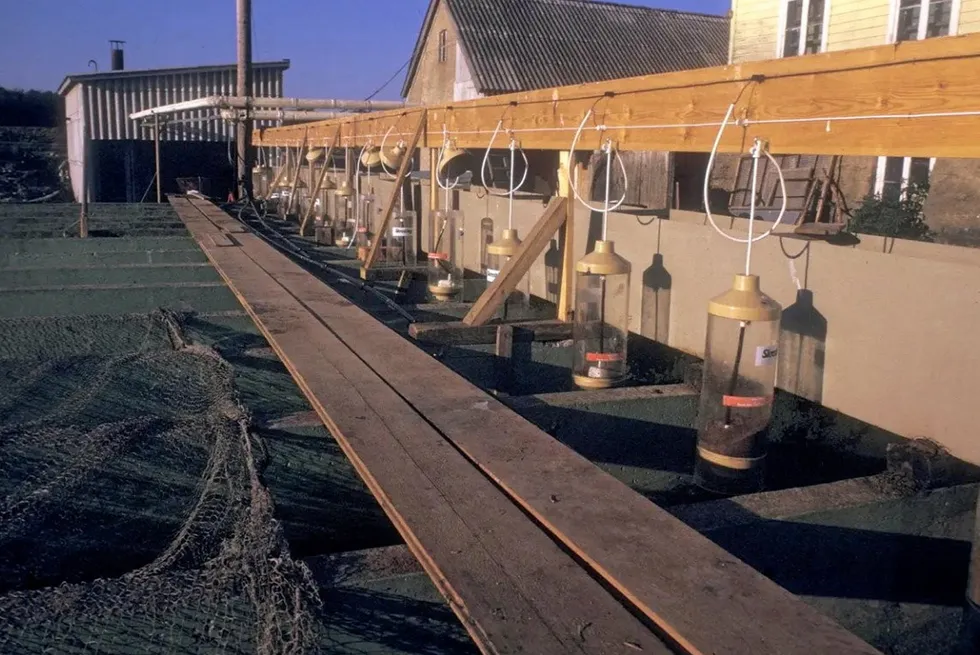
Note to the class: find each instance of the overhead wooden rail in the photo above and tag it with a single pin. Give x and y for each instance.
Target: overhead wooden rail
(914, 98)
(705, 600)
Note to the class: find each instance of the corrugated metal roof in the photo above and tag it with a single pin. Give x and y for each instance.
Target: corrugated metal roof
(71, 80)
(519, 45)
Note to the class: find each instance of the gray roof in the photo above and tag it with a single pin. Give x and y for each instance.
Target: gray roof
(519, 45)
(72, 80)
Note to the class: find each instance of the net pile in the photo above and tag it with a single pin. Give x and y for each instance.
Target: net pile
(132, 513)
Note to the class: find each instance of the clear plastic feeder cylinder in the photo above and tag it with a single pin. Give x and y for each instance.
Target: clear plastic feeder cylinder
(445, 274)
(343, 220)
(400, 241)
(365, 227)
(601, 327)
(499, 253)
(740, 365)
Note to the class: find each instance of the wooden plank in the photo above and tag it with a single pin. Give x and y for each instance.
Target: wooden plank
(319, 183)
(932, 76)
(596, 396)
(578, 172)
(704, 599)
(512, 587)
(395, 194)
(456, 333)
(299, 168)
(504, 353)
(517, 266)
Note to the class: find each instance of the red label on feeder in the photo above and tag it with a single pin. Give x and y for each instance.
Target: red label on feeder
(439, 255)
(362, 230)
(603, 357)
(745, 402)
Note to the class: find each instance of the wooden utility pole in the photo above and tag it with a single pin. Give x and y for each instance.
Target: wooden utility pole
(244, 135)
(156, 154)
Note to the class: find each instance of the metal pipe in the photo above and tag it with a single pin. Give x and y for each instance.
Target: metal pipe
(239, 102)
(285, 115)
(243, 136)
(156, 155)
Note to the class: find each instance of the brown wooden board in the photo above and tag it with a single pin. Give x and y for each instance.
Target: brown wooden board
(801, 105)
(702, 597)
(459, 334)
(512, 587)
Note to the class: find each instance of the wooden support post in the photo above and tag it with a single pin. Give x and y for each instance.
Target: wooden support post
(517, 266)
(395, 193)
(568, 172)
(319, 183)
(454, 333)
(504, 360)
(156, 155)
(299, 166)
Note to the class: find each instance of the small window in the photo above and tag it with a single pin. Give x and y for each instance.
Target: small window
(803, 30)
(442, 47)
(923, 19)
(895, 174)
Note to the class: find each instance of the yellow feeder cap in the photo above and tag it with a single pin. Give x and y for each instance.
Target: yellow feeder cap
(393, 158)
(603, 260)
(371, 157)
(745, 302)
(506, 245)
(451, 155)
(314, 155)
(345, 190)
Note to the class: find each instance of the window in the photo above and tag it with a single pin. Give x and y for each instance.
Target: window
(894, 174)
(913, 20)
(804, 28)
(922, 19)
(442, 47)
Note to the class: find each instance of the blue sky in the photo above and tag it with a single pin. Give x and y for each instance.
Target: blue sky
(338, 48)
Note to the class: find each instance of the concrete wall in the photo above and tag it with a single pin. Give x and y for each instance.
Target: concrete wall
(898, 316)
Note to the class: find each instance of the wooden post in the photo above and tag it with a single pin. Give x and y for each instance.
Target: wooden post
(86, 175)
(569, 171)
(156, 155)
(395, 193)
(517, 266)
(319, 183)
(504, 360)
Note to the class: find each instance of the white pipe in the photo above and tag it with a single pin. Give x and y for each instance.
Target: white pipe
(236, 102)
(284, 115)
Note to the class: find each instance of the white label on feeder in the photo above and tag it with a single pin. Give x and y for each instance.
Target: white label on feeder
(492, 274)
(399, 232)
(766, 355)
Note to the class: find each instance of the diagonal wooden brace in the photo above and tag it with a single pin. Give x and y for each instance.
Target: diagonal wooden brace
(517, 266)
(393, 199)
(319, 182)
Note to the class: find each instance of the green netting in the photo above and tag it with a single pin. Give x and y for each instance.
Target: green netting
(132, 513)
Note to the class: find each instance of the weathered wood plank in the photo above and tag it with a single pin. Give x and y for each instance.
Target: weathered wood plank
(514, 590)
(681, 110)
(703, 598)
(456, 333)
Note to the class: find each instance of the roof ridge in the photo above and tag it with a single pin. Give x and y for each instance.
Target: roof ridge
(626, 5)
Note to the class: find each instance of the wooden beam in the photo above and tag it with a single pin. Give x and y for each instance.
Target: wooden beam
(453, 333)
(934, 76)
(395, 192)
(706, 600)
(517, 266)
(319, 182)
(570, 171)
(512, 587)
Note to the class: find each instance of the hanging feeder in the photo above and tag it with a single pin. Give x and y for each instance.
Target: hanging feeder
(343, 215)
(499, 253)
(399, 244)
(445, 272)
(371, 157)
(392, 158)
(601, 327)
(740, 363)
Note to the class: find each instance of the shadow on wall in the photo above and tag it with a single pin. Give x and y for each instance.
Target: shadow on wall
(802, 336)
(655, 302)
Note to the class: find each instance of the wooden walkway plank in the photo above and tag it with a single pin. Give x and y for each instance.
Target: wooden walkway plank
(512, 587)
(702, 597)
